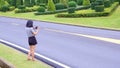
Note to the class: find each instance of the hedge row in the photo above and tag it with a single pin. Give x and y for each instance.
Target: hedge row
(23, 9)
(94, 14)
(59, 11)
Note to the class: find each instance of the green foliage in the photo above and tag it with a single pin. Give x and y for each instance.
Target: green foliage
(50, 12)
(21, 7)
(93, 14)
(72, 4)
(41, 1)
(5, 8)
(112, 1)
(59, 6)
(23, 10)
(41, 9)
(71, 10)
(65, 2)
(99, 8)
(92, 1)
(79, 2)
(43, 5)
(13, 3)
(2, 2)
(86, 2)
(6, 3)
(33, 2)
(11, 8)
(93, 4)
(18, 2)
(27, 3)
(107, 3)
(56, 1)
(100, 2)
(38, 2)
(51, 6)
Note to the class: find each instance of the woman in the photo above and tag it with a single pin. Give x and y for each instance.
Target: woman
(31, 32)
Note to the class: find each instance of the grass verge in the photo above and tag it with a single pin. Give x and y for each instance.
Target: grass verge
(18, 59)
(109, 22)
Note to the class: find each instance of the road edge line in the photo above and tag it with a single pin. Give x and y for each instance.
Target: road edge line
(47, 60)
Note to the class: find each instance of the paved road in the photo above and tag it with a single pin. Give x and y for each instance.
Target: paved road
(77, 47)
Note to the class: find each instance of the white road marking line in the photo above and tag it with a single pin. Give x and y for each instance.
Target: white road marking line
(51, 60)
(15, 24)
(116, 41)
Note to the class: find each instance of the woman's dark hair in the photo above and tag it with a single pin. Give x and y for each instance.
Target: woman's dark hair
(29, 23)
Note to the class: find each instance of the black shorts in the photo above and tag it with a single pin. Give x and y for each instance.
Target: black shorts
(32, 40)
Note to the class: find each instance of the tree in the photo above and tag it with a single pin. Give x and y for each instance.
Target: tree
(51, 5)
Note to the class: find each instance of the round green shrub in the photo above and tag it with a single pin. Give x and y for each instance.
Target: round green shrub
(71, 10)
(11, 8)
(5, 8)
(21, 7)
(107, 3)
(99, 8)
(41, 9)
(72, 4)
(86, 3)
(59, 6)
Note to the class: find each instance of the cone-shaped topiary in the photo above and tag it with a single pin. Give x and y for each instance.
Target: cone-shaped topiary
(51, 5)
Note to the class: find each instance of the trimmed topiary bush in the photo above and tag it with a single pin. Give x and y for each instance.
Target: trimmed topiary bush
(41, 9)
(51, 6)
(59, 6)
(71, 10)
(72, 4)
(86, 2)
(5, 8)
(107, 3)
(11, 8)
(93, 14)
(99, 8)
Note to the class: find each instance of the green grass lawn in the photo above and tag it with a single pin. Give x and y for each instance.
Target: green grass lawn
(110, 22)
(18, 59)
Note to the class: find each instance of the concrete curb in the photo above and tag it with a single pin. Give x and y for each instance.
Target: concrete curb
(46, 60)
(5, 64)
(66, 24)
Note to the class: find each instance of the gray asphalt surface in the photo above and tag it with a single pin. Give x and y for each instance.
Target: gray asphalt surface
(72, 50)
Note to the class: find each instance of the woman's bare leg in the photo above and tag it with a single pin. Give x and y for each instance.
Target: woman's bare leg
(33, 51)
(30, 52)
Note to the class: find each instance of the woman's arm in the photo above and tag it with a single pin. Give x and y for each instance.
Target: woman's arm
(36, 32)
